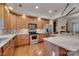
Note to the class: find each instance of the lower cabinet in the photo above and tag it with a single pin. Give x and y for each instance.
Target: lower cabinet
(12, 47)
(41, 36)
(21, 39)
(6, 52)
(0, 52)
(54, 50)
(8, 48)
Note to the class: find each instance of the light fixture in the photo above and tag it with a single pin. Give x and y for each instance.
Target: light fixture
(23, 15)
(55, 10)
(50, 11)
(39, 18)
(40, 52)
(7, 9)
(36, 7)
(10, 8)
(20, 5)
(5, 6)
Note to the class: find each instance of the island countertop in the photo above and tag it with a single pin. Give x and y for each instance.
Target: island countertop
(67, 41)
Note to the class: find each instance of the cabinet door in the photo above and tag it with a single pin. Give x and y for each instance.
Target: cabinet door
(24, 22)
(19, 22)
(13, 21)
(12, 47)
(2, 11)
(39, 24)
(22, 39)
(6, 52)
(6, 46)
(17, 40)
(7, 21)
(6, 49)
(41, 36)
(0, 52)
(10, 20)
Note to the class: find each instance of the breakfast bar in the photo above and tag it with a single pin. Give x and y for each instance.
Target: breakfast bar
(67, 44)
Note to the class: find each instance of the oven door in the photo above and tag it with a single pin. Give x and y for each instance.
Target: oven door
(33, 39)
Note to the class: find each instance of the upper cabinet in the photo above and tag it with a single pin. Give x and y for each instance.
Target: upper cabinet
(2, 11)
(19, 22)
(15, 21)
(10, 20)
(41, 23)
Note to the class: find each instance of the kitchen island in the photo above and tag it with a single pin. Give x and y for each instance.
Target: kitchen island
(62, 44)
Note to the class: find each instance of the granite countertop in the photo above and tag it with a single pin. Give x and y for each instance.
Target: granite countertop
(67, 41)
(5, 38)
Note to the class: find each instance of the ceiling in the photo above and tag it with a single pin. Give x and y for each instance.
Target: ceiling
(43, 10)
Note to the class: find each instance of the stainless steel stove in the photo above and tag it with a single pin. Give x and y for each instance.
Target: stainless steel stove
(33, 38)
(32, 33)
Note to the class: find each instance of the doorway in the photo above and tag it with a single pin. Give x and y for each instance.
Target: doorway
(73, 30)
(54, 26)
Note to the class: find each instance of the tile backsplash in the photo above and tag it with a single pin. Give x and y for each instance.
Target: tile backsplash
(1, 30)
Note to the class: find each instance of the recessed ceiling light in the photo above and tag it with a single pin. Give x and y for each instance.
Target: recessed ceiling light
(36, 7)
(55, 10)
(50, 11)
(10, 8)
(39, 18)
(7, 9)
(23, 15)
(20, 5)
(5, 6)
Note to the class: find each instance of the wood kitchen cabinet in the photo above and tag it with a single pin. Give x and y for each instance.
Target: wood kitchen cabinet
(12, 47)
(8, 48)
(22, 39)
(0, 52)
(54, 50)
(41, 36)
(2, 11)
(10, 20)
(13, 21)
(19, 22)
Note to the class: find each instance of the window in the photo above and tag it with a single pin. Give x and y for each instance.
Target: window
(1, 23)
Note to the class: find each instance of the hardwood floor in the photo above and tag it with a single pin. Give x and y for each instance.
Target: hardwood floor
(40, 49)
(30, 50)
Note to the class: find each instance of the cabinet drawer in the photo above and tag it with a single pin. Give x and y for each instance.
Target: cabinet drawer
(6, 46)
